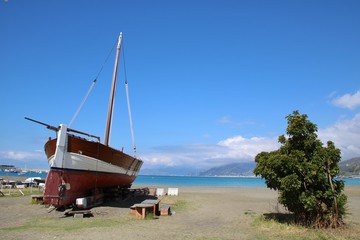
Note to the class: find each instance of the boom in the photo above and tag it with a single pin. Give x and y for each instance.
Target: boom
(57, 128)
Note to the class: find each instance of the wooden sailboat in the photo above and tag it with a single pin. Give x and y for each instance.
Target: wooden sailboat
(81, 165)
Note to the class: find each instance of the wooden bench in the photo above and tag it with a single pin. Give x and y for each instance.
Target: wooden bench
(36, 199)
(155, 203)
(142, 209)
(165, 210)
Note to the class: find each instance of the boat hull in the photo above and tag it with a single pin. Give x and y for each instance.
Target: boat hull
(64, 186)
(79, 167)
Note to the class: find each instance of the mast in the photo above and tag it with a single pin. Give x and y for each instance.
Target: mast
(112, 94)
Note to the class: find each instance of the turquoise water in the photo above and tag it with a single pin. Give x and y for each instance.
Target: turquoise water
(150, 180)
(25, 175)
(214, 181)
(200, 181)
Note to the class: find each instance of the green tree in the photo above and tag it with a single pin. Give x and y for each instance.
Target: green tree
(303, 172)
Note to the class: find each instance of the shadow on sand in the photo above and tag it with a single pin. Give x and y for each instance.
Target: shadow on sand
(287, 218)
(126, 202)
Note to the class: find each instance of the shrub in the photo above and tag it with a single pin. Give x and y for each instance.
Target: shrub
(303, 171)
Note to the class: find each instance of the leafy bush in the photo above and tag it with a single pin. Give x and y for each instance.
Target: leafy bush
(303, 171)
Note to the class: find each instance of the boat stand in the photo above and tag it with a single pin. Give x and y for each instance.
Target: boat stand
(79, 213)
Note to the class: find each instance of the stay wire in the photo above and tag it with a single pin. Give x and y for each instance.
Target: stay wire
(107, 58)
(123, 53)
(128, 105)
(82, 102)
(92, 85)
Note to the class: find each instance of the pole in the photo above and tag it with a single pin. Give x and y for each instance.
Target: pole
(112, 94)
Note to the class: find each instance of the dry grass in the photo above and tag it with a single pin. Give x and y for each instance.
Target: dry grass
(14, 192)
(268, 228)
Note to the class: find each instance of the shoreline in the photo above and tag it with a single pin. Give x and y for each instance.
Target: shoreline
(187, 188)
(161, 185)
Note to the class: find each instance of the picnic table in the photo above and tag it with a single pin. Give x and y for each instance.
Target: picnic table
(142, 209)
(147, 206)
(155, 203)
(35, 199)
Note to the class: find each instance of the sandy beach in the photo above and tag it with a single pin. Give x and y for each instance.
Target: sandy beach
(199, 213)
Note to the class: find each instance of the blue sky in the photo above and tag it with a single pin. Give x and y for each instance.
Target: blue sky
(211, 82)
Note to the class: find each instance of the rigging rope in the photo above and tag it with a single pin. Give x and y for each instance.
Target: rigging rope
(128, 105)
(92, 85)
(82, 102)
(130, 117)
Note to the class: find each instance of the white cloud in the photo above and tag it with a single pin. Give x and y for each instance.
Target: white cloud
(197, 155)
(348, 100)
(247, 148)
(345, 134)
(21, 155)
(224, 120)
(234, 149)
(227, 120)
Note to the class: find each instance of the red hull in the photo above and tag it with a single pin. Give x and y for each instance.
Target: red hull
(78, 184)
(84, 167)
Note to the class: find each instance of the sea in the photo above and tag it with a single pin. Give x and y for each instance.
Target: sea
(189, 181)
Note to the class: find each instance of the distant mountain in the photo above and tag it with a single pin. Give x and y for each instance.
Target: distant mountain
(350, 167)
(232, 169)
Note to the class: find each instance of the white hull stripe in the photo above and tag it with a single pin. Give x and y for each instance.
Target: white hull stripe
(85, 163)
